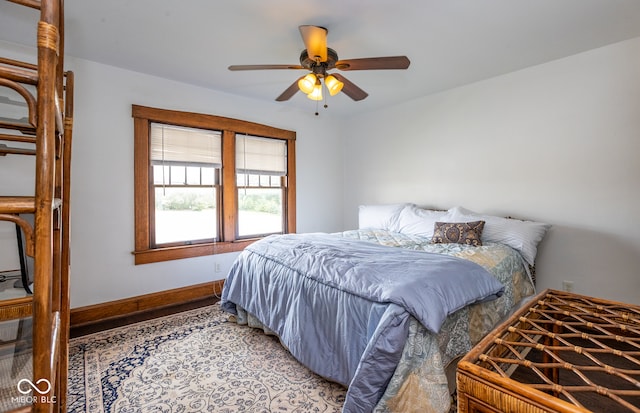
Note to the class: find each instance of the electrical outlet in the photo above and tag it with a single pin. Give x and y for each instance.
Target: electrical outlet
(567, 286)
(216, 267)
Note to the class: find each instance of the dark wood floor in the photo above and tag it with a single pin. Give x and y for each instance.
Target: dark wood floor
(142, 316)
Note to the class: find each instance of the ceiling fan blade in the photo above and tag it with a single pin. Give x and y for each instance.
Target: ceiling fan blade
(289, 92)
(374, 63)
(350, 89)
(315, 41)
(263, 67)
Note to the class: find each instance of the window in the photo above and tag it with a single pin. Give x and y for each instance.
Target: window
(186, 164)
(261, 169)
(206, 184)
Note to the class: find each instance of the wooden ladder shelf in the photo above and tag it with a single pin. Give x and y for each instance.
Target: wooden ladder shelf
(45, 91)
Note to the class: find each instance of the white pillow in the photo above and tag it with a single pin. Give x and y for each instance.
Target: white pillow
(417, 221)
(378, 216)
(523, 236)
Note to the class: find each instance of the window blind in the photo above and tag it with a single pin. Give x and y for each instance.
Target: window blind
(185, 146)
(261, 156)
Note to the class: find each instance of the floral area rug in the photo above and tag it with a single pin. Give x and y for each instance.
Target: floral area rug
(196, 361)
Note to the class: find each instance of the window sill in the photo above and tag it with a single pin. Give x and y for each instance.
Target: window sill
(188, 251)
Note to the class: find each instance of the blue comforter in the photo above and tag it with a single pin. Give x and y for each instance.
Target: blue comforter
(342, 306)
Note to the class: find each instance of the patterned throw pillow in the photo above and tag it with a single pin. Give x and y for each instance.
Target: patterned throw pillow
(468, 233)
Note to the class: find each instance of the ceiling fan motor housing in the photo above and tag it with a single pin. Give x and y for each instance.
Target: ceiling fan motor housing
(319, 68)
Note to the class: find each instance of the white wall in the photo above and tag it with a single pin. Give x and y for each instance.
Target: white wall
(102, 210)
(558, 143)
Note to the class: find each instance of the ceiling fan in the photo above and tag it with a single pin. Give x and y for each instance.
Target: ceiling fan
(319, 59)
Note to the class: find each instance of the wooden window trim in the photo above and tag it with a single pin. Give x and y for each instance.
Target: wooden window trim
(143, 116)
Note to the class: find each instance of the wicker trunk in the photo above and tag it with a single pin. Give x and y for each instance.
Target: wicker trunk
(561, 352)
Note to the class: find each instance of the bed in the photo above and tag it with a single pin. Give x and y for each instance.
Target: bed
(387, 309)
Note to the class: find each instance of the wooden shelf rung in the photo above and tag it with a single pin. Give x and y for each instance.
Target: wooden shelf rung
(23, 204)
(17, 138)
(27, 128)
(19, 74)
(14, 124)
(34, 4)
(16, 308)
(17, 204)
(18, 63)
(8, 150)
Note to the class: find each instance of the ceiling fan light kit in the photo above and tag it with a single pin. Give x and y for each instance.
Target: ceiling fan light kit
(319, 59)
(312, 87)
(307, 83)
(334, 86)
(316, 93)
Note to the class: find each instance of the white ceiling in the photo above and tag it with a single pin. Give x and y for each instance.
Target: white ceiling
(449, 42)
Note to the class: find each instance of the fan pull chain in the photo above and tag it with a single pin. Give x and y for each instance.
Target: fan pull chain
(324, 97)
(324, 84)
